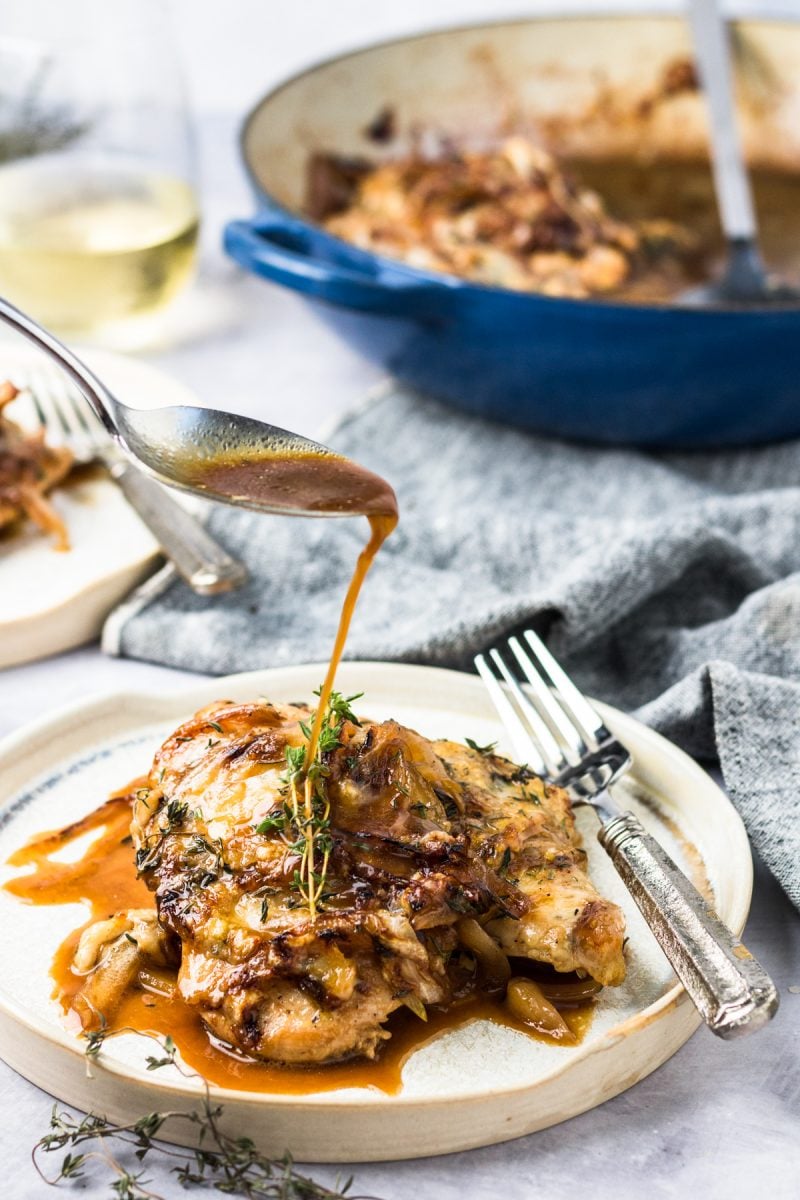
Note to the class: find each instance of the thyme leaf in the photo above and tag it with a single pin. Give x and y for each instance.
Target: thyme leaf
(489, 748)
(99, 1149)
(305, 831)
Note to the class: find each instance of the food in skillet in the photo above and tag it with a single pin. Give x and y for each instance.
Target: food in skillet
(510, 217)
(29, 470)
(302, 904)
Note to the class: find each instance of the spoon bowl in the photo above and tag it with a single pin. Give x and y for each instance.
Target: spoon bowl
(220, 455)
(209, 452)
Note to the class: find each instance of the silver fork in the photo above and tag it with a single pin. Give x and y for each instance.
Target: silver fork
(558, 733)
(68, 420)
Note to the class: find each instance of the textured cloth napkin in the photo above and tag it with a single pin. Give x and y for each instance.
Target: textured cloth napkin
(668, 584)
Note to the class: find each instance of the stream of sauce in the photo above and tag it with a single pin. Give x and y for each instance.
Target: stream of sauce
(323, 483)
(104, 877)
(381, 526)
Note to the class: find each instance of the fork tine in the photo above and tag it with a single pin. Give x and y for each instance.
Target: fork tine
(521, 739)
(80, 410)
(56, 396)
(63, 395)
(573, 702)
(538, 731)
(37, 384)
(32, 393)
(547, 704)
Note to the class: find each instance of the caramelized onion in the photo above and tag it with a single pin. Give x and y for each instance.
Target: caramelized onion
(157, 979)
(561, 987)
(570, 990)
(106, 983)
(526, 1001)
(493, 961)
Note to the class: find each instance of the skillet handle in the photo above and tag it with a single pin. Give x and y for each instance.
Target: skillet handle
(294, 254)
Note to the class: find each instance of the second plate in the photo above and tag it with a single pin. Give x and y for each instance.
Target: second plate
(51, 601)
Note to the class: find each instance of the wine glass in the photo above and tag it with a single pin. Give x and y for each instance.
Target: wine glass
(98, 211)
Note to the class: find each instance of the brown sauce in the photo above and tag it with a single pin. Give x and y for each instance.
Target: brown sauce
(327, 484)
(104, 878)
(381, 525)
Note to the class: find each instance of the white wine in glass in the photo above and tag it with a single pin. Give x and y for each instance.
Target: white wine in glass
(98, 214)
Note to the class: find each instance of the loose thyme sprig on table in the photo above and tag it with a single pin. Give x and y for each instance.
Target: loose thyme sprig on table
(232, 1165)
(310, 822)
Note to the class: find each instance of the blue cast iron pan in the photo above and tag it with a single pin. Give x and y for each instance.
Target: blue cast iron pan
(597, 371)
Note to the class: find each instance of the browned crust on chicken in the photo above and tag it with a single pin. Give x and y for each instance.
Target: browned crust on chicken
(510, 216)
(422, 834)
(513, 813)
(29, 469)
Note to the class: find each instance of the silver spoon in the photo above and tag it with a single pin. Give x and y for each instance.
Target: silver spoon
(198, 449)
(744, 279)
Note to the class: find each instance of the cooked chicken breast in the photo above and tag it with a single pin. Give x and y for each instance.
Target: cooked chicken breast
(419, 836)
(509, 216)
(512, 813)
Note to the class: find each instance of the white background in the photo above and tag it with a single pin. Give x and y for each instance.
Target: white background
(235, 49)
(718, 1120)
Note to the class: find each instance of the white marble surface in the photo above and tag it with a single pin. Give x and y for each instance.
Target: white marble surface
(718, 1120)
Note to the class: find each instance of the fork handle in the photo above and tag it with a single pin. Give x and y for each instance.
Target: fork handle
(201, 561)
(731, 990)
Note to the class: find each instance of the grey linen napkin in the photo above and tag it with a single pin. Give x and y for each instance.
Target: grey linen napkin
(669, 584)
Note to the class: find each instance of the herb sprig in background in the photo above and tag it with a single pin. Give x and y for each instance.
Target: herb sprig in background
(95, 1146)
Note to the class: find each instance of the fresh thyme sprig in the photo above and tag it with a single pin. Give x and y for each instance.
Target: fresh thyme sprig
(307, 769)
(232, 1165)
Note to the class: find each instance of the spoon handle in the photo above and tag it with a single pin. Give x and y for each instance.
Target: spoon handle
(201, 561)
(87, 383)
(712, 50)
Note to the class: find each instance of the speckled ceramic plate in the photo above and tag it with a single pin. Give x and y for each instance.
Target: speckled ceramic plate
(52, 601)
(481, 1084)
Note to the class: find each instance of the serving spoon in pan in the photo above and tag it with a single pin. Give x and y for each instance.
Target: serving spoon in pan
(744, 280)
(219, 455)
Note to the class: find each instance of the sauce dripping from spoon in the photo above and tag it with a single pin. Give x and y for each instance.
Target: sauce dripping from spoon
(317, 482)
(327, 484)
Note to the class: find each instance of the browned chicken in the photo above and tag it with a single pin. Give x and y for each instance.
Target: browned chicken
(510, 216)
(29, 469)
(426, 847)
(509, 811)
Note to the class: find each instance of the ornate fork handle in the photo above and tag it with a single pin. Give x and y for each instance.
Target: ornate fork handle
(729, 987)
(202, 562)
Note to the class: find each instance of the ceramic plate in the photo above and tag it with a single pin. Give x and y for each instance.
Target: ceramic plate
(481, 1084)
(51, 601)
